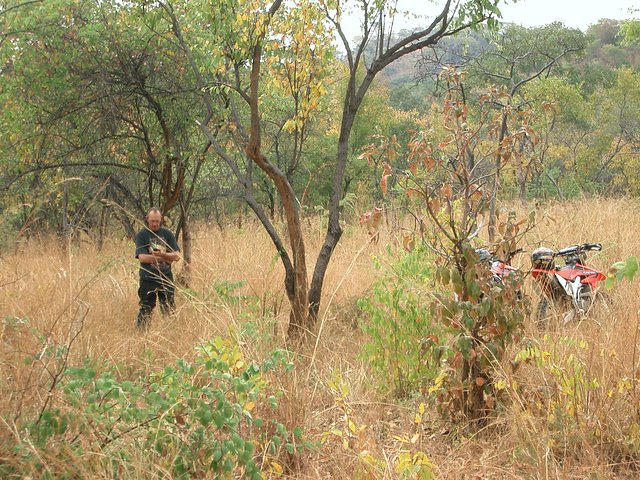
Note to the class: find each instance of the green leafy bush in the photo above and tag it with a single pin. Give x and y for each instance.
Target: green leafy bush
(214, 415)
(483, 318)
(404, 347)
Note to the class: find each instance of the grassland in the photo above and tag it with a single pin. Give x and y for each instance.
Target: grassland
(54, 294)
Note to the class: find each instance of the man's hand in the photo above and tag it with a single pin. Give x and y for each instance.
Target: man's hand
(157, 257)
(168, 257)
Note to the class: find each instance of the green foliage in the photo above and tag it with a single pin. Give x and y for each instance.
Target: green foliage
(473, 12)
(484, 318)
(630, 31)
(210, 416)
(226, 290)
(404, 348)
(621, 270)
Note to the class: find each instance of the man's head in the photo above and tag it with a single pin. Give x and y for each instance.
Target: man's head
(154, 219)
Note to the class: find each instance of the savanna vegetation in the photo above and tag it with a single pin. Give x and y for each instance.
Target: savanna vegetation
(312, 339)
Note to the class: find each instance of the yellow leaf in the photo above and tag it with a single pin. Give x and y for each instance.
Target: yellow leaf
(352, 426)
(276, 468)
(249, 406)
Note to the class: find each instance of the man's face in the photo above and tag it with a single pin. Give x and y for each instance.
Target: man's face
(154, 220)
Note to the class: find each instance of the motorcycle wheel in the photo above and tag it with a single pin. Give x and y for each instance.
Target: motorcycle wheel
(585, 300)
(541, 311)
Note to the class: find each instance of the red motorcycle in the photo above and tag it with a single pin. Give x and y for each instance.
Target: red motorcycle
(573, 284)
(501, 270)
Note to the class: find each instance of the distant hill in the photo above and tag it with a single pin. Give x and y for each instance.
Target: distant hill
(412, 78)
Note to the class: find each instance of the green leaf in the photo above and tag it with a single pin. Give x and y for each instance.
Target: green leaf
(217, 455)
(218, 419)
(621, 270)
(456, 279)
(465, 344)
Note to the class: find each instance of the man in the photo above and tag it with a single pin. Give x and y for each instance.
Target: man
(156, 249)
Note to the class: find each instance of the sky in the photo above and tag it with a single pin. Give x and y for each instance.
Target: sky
(528, 13)
(573, 13)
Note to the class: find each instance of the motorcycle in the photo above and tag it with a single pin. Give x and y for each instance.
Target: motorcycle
(573, 284)
(501, 270)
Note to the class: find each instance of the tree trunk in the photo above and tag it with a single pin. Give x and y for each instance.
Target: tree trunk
(522, 181)
(296, 273)
(352, 102)
(102, 228)
(184, 278)
(496, 181)
(128, 226)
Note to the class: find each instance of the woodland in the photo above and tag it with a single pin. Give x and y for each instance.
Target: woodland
(330, 196)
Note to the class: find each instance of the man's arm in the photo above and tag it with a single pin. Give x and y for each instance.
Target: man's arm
(151, 258)
(174, 254)
(158, 257)
(169, 257)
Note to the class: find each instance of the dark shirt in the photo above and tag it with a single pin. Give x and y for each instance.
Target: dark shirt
(148, 241)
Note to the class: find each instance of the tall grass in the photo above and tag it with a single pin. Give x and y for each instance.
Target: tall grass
(54, 296)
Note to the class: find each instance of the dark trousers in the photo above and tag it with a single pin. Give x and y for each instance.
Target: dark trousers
(152, 290)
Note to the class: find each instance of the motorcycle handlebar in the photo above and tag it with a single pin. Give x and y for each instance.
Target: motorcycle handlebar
(573, 249)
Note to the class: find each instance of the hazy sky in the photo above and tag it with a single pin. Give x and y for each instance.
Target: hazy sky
(573, 13)
(528, 13)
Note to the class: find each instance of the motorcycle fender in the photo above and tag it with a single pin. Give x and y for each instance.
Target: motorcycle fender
(564, 283)
(594, 279)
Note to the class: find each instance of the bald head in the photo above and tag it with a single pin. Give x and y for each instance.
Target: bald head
(154, 219)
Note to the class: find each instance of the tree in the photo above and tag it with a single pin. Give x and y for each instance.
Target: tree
(616, 139)
(563, 121)
(105, 97)
(515, 58)
(252, 38)
(482, 317)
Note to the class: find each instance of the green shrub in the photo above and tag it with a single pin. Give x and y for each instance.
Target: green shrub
(404, 348)
(212, 416)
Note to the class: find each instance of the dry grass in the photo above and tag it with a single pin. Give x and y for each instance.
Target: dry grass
(51, 296)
